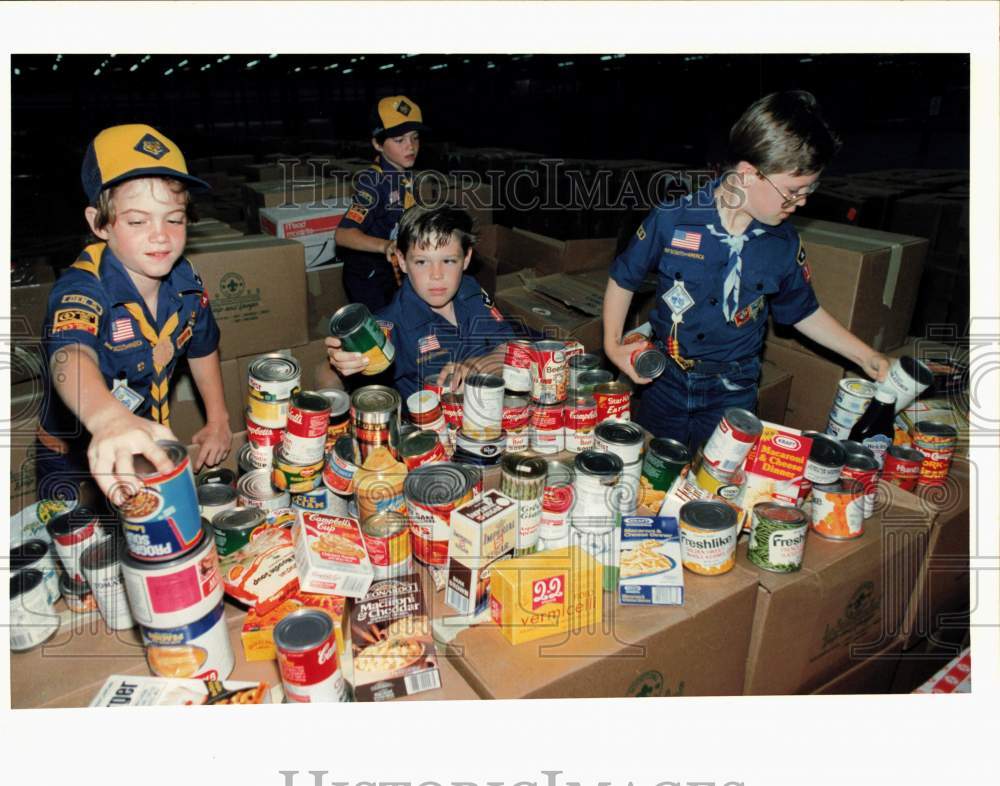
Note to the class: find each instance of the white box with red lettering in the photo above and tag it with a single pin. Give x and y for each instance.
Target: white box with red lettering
(313, 227)
(330, 555)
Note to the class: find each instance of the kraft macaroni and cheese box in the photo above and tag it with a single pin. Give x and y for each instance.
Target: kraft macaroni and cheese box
(651, 571)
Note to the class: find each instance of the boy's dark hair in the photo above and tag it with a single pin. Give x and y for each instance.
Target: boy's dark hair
(422, 227)
(783, 132)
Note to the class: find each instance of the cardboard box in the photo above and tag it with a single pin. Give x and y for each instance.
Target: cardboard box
(865, 278)
(918, 663)
(23, 476)
(308, 189)
(772, 392)
(562, 256)
(636, 651)
(942, 218)
(874, 674)
(187, 410)
(846, 603)
(313, 228)
(24, 330)
(813, 384)
(324, 295)
(211, 228)
(240, 276)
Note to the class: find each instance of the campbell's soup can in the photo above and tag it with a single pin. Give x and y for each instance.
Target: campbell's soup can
(548, 428)
(613, 401)
(548, 372)
(306, 645)
(936, 443)
(72, 533)
(862, 466)
(557, 501)
(199, 650)
(516, 422)
(262, 437)
(432, 492)
(517, 366)
(581, 420)
(902, 467)
(305, 435)
(727, 448)
(452, 405)
(387, 540)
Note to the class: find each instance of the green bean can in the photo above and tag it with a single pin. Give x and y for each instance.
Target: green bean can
(664, 460)
(358, 331)
(777, 537)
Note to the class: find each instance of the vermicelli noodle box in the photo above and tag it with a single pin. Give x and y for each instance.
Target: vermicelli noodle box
(651, 569)
(330, 555)
(258, 628)
(546, 593)
(129, 690)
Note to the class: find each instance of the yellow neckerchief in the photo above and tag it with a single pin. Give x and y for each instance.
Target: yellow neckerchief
(160, 388)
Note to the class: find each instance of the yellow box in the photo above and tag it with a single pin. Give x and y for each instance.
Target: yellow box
(544, 594)
(258, 629)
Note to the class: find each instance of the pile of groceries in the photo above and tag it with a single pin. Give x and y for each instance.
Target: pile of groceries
(529, 491)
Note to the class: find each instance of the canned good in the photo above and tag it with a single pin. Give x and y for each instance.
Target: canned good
(249, 459)
(273, 378)
(379, 484)
(175, 592)
(580, 420)
(825, 462)
(222, 476)
(515, 422)
(709, 479)
(306, 647)
(663, 462)
(387, 539)
(727, 448)
(359, 332)
(77, 595)
(708, 536)
(557, 501)
(578, 364)
(340, 414)
(342, 463)
(425, 408)
(214, 498)
(548, 428)
(234, 528)
(162, 519)
(72, 532)
(317, 499)
(482, 411)
(586, 381)
(255, 490)
(451, 404)
(33, 619)
(479, 452)
(838, 431)
(596, 476)
(101, 564)
(548, 372)
(267, 414)
(936, 443)
(625, 440)
(861, 465)
(902, 467)
(517, 366)
(522, 478)
(432, 492)
(854, 395)
(197, 650)
(293, 476)
(421, 447)
(305, 435)
(646, 359)
(777, 537)
(907, 379)
(838, 510)
(613, 401)
(375, 415)
(38, 554)
(263, 438)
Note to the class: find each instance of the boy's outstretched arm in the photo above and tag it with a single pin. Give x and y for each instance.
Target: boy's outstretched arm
(116, 434)
(214, 438)
(617, 299)
(822, 328)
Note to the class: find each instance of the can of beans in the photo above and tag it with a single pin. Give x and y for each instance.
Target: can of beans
(340, 414)
(708, 531)
(234, 528)
(38, 554)
(273, 378)
(296, 477)
(902, 466)
(196, 650)
(482, 411)
(516, 422)
(517, 366)
(625, 440)
(557, 501)
(862, 466)
(825, 463)
(77, 595)
(375, 415)
(177, 591)
(587, 381)
(342, 463)
(432, 492)
(854, 395)
(162, 519)
(305, 434)
(548, 428)
(33, 618)
(522, 478)
(421, 447)
(306, 647)
(581, 420)
(102, 567)
(387, 539)
(215, 498)
(838, 510)
(425, 408)
(219, 476)
(479, 452)
(727, 448)
(613, 401)
(663, 462)
(777, 537)
(936, 443)
(72, 532)
(359, 332)
(548, 372)
(578, 364)
(255, 490)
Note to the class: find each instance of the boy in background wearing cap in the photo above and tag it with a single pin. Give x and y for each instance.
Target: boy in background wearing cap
(121, 317)
(366, 235)
(725, 257)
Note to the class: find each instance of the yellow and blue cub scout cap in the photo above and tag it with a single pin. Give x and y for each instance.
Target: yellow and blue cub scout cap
(396, 115)
(121, 153)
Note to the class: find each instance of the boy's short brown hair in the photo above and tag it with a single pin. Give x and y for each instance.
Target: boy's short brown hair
(106, 207)
(783, 132)
(422, 226)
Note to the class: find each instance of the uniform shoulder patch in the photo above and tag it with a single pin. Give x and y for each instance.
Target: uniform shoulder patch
(65, 319)
(83, 300)
(801, 256)
(641, 232)
(357, 214)
(487, 298)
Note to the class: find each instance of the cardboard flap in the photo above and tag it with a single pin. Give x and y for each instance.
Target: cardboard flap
(572, 291)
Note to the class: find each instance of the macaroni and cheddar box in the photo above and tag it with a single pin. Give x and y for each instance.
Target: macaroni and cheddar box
(544, 594)
(651, 571)
(258, 629)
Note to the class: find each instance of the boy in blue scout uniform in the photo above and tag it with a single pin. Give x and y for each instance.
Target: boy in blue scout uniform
(443, 321)
(725, 257)
(121, 317)
(366, 235)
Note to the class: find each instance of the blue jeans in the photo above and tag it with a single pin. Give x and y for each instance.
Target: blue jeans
(687, 406)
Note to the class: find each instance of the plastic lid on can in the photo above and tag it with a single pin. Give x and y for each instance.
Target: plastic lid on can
(825, 449)
(23, 582)
(28, 553)
(102, 555)
(338, 400)
(437, 484)
(708, 514)
(238, 519)
(669, 450)
(68, 522)
(303, 630)
(524, 466)
(594, 462)
(213, 494)
(776, 512)
(348, 319)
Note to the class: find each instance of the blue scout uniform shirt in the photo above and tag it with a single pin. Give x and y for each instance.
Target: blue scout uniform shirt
(425, 341)
(381, 195)
(95, 303)
(686, 243)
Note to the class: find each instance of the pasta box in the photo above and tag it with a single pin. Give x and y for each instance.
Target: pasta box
(330, 555)
(651, 571)
(257, 633)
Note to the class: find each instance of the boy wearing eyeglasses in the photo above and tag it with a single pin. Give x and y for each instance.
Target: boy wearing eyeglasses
(726, 257)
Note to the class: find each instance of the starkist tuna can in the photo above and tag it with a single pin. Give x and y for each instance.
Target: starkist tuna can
(198, 650)
(359, 332)
(162, 520)
(613, 401)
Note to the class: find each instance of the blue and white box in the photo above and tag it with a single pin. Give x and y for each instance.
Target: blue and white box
(651, 570)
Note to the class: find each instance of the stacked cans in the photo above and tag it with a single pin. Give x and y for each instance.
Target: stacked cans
(627, 441)
(853, 398)
(375, 418)
(271, 382)
(34, 590)
(299, 459)
(726, 450)
(171, 573)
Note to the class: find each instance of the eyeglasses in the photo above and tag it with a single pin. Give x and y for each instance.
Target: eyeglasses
(790, 199)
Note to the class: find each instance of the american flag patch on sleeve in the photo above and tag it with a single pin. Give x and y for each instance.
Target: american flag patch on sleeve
(121, 330)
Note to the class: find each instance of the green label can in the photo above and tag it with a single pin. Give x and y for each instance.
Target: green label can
(358, 331)
(777, 537)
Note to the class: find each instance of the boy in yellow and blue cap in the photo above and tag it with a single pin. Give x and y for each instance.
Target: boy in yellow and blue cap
(366, 236)
(121, 317)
